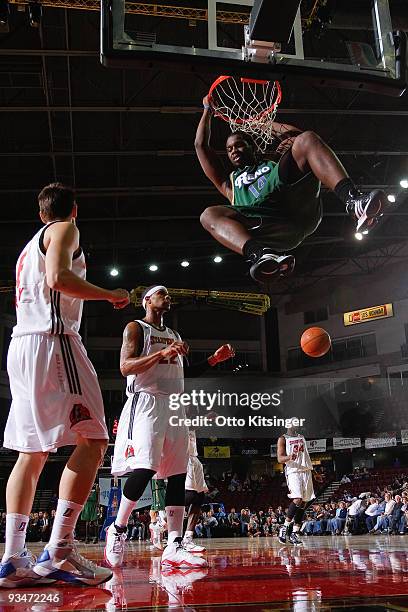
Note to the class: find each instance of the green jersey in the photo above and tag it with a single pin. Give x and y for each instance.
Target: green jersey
(254, 187)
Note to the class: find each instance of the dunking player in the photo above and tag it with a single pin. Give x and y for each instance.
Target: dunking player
(56, 400)
(146, 443)
(292, 451)
(276, 205)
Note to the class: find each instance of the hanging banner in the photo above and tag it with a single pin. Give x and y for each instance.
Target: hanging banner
(217, 452)
(404, 436)
(368, 314)
(386, 439)
(346, 443)
(316, 446)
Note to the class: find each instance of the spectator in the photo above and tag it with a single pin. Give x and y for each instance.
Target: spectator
(254, 530)
(268, 527)
(345, 479)
(383, 521)
(234, 522)
(339, 521)
(138, 529)
(396, 515)
(209, 522)
(371, 513)
(354, 513)
(45, 527)
(245, 517)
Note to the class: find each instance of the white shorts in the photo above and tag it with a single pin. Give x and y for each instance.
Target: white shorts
(195, 480)
(145, 438)
(300, 485)
(55, 394)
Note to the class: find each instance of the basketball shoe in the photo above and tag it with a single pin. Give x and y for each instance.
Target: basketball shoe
(366, 208)
(61, 561)
(267, 266)
(189, 545)
(17, 571)
(115, 545)
(175, 555)
(282, 534)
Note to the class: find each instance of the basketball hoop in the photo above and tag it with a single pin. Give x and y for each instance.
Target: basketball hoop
(248, 105)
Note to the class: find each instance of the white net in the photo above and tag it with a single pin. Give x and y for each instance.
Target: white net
(248, 105)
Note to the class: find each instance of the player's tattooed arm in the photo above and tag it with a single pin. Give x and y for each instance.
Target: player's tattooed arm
(281, 451)
(132, 344)
(209, 160)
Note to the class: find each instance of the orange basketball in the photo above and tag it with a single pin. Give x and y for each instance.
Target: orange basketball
(315, 342)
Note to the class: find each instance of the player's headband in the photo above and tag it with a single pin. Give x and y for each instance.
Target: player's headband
(150, 292)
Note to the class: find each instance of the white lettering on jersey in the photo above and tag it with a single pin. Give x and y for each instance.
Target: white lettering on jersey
(247, 178)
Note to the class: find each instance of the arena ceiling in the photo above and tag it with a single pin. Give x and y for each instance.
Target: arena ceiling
(124, 138)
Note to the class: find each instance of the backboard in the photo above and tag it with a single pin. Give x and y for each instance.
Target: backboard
(344, 44)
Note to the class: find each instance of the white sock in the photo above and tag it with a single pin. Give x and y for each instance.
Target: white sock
(175, 517)
(189, 535)
(126, 508)
(16, 528)
(65, 520)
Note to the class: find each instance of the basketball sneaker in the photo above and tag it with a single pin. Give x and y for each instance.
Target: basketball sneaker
(191, 547)
(294, 539)
(62, 561)
(268, 265)
(175, 555)
(115, 545)
(17, 571)
(366, 208)
(282, 534)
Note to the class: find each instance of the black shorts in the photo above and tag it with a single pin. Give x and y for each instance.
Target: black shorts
(285, 222)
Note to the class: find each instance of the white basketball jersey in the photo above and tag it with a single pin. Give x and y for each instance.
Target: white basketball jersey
(39, 309)
(296, 447)
(167, 375)
(192, 444)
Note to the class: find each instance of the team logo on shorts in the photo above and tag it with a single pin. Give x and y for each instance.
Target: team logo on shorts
(130, 451)
(79, 413)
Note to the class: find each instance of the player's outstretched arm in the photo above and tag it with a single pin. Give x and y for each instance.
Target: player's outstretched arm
(132, 345)
(208, 158)
(281, 451)
(61, 241)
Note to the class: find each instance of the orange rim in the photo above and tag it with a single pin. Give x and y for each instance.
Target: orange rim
(240, 121)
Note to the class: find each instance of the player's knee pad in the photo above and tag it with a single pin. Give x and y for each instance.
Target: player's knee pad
(175, 491)
(136, 483)
(194, 500)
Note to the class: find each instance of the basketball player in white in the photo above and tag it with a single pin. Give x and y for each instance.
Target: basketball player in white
(146, 443)
(292, 451)
(56, 399)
